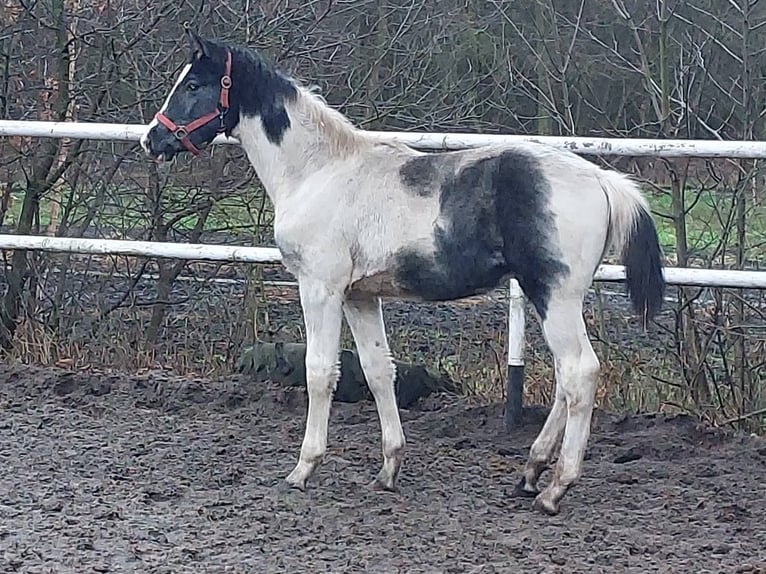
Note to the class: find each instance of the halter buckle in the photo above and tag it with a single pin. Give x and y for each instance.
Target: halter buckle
(181, 133)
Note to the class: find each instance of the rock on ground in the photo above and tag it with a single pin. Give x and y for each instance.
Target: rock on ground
(284, 363)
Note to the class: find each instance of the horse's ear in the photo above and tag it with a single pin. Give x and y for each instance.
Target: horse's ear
(198, 45)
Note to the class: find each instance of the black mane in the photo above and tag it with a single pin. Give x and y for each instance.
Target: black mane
(258, 88)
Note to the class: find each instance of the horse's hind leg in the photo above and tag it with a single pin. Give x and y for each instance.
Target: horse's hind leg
(577, 370)
(365, 318)
(543, 449)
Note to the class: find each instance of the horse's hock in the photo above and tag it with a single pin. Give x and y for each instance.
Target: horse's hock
(284, 363)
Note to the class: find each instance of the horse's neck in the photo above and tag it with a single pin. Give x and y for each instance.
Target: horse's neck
(307, 146)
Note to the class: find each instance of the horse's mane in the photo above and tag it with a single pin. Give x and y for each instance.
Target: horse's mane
(342, 136)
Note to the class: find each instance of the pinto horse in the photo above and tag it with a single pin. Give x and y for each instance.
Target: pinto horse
(360, 219)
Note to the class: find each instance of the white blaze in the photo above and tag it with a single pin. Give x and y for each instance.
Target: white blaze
(145, 138)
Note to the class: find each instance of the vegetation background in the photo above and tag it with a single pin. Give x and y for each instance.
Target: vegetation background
(616, 68)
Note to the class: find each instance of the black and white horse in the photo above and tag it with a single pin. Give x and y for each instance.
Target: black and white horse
(360, 219)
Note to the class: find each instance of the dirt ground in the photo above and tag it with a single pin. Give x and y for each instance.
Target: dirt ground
(152, 473)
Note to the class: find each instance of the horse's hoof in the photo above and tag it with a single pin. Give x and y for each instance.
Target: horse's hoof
(300, 474)
(520, 490)
(286, 487)
(545, 506)
(292, 483)
(379, 486)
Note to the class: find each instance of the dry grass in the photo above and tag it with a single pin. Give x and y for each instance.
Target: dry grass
(207, 324)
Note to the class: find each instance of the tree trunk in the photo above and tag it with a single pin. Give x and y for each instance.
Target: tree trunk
(57, 190)
(37, 183)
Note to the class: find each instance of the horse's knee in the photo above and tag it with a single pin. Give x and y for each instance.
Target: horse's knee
(321, 375)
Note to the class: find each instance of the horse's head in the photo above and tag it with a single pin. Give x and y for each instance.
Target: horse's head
(196, 108)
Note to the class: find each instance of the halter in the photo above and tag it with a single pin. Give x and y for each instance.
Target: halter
(182, 132)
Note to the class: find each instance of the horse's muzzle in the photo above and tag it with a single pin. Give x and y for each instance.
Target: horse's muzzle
(158, 143)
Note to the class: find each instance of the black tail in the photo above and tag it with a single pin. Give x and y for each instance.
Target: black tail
(642, 258)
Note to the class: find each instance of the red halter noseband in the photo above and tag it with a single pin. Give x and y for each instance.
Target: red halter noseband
(182, 132)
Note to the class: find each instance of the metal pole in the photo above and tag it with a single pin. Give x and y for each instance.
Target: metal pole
(515, 373)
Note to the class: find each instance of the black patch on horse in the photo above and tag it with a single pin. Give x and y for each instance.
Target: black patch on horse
(496, 223)
(424, 174)
(260, 90)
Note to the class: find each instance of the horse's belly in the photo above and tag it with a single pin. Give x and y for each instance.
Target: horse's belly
(383, 284)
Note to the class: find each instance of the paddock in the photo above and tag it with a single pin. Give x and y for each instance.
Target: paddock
(153, 473)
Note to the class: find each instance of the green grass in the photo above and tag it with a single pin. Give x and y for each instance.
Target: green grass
(705, 224)
(125, 211)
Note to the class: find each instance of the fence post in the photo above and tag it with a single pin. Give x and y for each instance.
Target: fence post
(515, 372)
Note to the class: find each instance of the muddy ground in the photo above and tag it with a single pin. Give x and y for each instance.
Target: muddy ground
(152, 473)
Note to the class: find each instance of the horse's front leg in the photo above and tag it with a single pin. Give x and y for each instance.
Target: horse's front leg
(322, 314)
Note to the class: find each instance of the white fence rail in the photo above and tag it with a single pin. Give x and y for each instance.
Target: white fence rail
(424, 141)
(431, 141)
(190, 251)
(196, 251)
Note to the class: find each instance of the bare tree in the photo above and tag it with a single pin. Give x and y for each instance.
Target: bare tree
(624, 68)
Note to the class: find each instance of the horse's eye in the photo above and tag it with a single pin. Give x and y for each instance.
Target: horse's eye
(192, 86)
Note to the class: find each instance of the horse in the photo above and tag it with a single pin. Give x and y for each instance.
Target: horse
(363, 219)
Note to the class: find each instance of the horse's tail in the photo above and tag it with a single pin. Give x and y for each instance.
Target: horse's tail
(633, 235)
